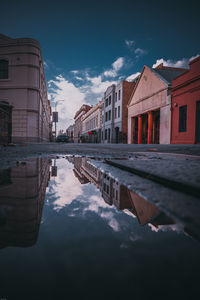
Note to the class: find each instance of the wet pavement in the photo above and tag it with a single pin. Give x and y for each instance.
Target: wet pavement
(74, 228)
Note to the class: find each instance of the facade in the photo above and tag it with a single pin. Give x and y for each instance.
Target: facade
(186, 106)
(78, 122)
(149, 108)
(115, 112)
(107, 120)
(91, 124)
(23, 88)
(123, 92)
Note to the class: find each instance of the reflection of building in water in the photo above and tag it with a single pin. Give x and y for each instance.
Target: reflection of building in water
(146, 212)
(77, 162)
(21, 202)
(91, 172)
(106, 184)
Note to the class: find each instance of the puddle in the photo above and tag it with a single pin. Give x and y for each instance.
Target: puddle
(69, 230)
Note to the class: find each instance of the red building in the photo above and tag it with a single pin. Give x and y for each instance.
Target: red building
(186, 105)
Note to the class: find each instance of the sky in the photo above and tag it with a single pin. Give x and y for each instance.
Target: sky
(89, 45)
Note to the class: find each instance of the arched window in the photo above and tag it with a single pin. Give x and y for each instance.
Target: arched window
(3, 69)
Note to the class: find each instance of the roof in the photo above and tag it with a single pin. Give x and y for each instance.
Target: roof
(168, 74)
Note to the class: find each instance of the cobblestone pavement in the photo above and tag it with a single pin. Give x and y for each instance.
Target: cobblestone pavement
(10, 154)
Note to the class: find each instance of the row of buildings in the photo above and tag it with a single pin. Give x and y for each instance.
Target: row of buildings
(161, 106)
(25, 111)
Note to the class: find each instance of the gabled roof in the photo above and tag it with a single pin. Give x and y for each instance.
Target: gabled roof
(165, 74)
(168, 74)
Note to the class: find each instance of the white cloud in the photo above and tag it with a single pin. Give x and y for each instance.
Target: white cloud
(74, 71)
(66, 186)
(133, 76)
(130, 43)
(45, 65)
(62, 89)
(99, 86)
(78, 78)
(193, 57)
(116, 66)
(140, 52)
(182, 63)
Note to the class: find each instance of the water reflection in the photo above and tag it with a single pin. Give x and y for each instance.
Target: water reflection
(22, 194)
(119, 195)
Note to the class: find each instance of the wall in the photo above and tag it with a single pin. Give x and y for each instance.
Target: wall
(25, 89)
(186, 91)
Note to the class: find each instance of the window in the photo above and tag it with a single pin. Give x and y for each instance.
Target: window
(183, 118)
(115, 97)
(109, 100)
(102, 135)
(106, 134)
(106, 116)
(118, 111)
(115, 112)
(109, 115)
(119, 95)
(3, 69)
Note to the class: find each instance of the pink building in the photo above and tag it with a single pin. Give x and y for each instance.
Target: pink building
(23, 90)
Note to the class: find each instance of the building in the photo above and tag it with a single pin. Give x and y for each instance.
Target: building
(149, 108)
(115, 112)
(91, 124)
(91, 172)
(78, 122)
(186, 105)
(107, 125)
(23, 89)
(123, 92)
(22, 195)
(70, 133)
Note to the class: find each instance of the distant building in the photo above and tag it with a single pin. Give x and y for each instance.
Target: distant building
(149, 108)
(115, 112)
(78, 122)
(123, 92)
(91, 124)
(186, 105)
(107, 124)
(23, 90)
(70, 133)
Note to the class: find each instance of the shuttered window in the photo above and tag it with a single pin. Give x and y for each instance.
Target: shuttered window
(183, 118)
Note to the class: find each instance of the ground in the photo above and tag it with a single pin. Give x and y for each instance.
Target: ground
(10, 155)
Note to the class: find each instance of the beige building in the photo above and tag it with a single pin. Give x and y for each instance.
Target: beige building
(78, 122)
(149, 108)
(91, 124)
(23, 88)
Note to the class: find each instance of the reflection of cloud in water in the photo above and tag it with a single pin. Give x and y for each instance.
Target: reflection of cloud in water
(174, 227)
(67, 187)
(95, 203)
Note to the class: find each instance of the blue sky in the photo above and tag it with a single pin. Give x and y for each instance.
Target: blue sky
(88, 45)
